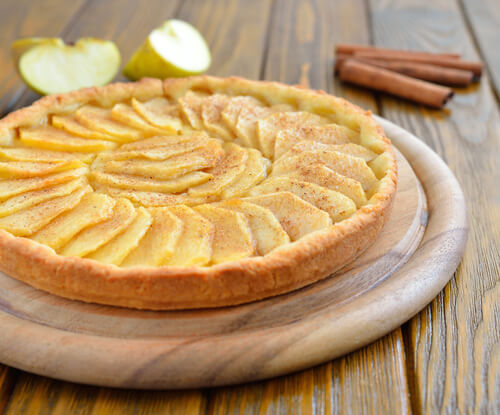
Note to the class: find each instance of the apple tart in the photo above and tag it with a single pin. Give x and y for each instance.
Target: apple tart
(189, 193)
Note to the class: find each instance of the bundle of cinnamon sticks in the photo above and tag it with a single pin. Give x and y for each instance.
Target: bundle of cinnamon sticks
(407, 74)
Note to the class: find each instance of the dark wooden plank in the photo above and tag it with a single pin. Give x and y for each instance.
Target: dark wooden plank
(369, 381)
(37, 395)
(25, 18)
(235, 31)
(453, 345)
(484, 19)
(7, 380)
(373, 380)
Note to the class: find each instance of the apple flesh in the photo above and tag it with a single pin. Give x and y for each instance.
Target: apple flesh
(175, 49)
(50, 66)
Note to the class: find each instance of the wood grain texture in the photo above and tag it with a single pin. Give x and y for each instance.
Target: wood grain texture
(453, 346)
(373, 296)
(7, 379)
(35, 395)
(236, 32)
(332, 388)
(483, 17)
(25, 18)
(301, 50)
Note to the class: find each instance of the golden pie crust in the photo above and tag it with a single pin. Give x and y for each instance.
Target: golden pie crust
(307, 257)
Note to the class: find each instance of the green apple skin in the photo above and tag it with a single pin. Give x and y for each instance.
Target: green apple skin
(148, 62)
(89, 62)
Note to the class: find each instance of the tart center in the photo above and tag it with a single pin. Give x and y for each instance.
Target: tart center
(169, 170)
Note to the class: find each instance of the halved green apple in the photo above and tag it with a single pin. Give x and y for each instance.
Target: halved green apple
(175, 49)
(50, 66)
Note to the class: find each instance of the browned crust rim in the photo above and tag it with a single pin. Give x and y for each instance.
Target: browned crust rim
(285, 269)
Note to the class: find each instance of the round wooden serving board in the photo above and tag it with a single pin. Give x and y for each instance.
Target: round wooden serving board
(412, 260)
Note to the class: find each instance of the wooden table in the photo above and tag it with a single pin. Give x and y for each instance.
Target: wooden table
(447, 358)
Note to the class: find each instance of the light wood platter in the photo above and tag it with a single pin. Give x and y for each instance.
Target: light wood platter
(408, 265)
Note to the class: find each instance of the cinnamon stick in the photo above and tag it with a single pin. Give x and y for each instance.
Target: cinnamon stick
(381, 79)
(475, 67)
(348, 49)
(427, 72)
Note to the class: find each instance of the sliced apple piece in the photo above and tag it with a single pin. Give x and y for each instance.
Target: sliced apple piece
(72, 126)
(164, 151)
(191, 106)
(232, 236)
(265, 228)
(175, 49)
(344, 164)
(156, 199)
(163, 169)
(35, 154)
(194, 246)
(35, 197)
(327, 134)
(232, 110)
(229, 169)
(159, 243)
(211, 113)
(160, 112)
(125, 114)
(53, 139)
(338, 206)
(24, 169)
(9, 188)
(175, 185)
(166, 141)
(100, 119)
(246, 127)
(51, 66)
(296, 216)
(90, 239)
(118, 248)
(93, 208)
(28, 221)
(268, 127)
(352, 149)
(323, 176)
(255, 171)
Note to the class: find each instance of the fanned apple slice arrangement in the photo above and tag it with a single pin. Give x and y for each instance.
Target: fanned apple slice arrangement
(197, 177)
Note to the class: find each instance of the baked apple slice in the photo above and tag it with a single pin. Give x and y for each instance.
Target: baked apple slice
(117, 249)
(229, 169)
(338, 206)
(40, 155)
(296, 216)
(174, 185)
(25, 200)
(9, 188)
(30, 220)
(101, 119)
(255, 171)
(160, 241)
(323, 176)
(92, 209)
(327, 134)
(211, 114)
(72, 126)
(23, 169)
(96, 236)
(344, 164)
(159, 112)
(232, 237)
(265, 228)
(194, 246)
(268, 127)
(47, 137)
